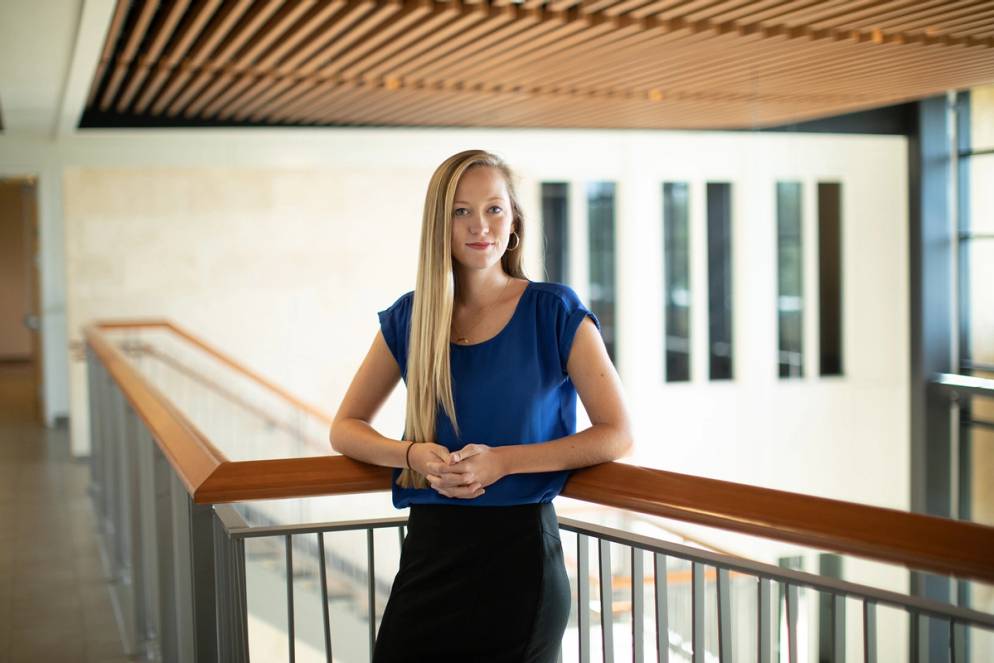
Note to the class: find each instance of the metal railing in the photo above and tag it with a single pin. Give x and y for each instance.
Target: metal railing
(175, 517)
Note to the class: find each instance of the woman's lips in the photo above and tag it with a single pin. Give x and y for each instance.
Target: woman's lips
(480, 247)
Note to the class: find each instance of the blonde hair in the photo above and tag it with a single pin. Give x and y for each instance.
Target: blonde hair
(429, 374)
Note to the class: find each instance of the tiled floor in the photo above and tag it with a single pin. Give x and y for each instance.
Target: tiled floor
(54, 600)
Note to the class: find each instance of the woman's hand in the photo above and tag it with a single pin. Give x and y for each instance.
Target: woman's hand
(467, 472)
(426, 457)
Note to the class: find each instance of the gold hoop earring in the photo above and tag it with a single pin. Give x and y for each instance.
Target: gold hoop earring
(516, 244)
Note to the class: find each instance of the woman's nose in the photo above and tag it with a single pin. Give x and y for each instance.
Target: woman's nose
(478, 225)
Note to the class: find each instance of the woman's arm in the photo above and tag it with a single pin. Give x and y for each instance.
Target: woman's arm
(351, 431)
(608, 438)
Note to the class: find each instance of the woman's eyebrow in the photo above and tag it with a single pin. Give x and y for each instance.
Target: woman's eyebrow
(463, 202)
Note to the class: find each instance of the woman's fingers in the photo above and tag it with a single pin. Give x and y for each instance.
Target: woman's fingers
(466, 452)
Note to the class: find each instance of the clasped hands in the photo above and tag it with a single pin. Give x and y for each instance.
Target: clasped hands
(459, 474)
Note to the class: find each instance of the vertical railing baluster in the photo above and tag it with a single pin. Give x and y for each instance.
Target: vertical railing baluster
(324, 598)
(697, 611)
(792, 598)
(638, 624)
(869, 632)
(607, 602)
(662, 607)
(957, 642)
(401, 534)
(370, 564)
(291, 635)
(919, 652)
(763, 621)
(838, 628)
(724, 617)
(230, 587)
(583, 596)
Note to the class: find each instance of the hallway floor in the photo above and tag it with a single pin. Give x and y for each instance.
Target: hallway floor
(54, 600)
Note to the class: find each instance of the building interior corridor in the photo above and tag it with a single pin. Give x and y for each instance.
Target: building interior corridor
(54, 603)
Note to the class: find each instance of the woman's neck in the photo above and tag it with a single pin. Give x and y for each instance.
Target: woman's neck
(478, 288)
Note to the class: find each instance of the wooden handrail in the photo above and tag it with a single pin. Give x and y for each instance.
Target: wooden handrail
(921, 542)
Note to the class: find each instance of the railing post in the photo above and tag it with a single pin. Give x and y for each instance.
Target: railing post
(583, 596)
(724, 617)
(763, 620)
(638, 620)
(193, 564)
(151, 628)
(662, 608)
(697, 611)
(607, 600)
(232, 600)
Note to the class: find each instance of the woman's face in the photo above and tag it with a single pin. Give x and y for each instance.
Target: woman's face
(482, 219)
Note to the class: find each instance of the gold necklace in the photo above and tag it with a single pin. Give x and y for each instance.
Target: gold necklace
(463, 339)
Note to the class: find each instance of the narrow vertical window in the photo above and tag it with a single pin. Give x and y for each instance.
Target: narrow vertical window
(555, 227)
(790, 280)
(676, 281)
(600, 220)
(719, 197)
(830, 276)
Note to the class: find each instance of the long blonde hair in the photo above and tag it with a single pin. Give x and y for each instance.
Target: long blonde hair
(429, 374)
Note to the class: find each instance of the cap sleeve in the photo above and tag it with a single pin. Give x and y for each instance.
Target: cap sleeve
(570, 316)
(395, 323)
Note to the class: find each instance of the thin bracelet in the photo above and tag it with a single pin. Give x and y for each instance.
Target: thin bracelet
(407, 456)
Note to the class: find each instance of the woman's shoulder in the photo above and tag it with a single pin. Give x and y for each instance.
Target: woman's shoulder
(402, 302)
(557, 293)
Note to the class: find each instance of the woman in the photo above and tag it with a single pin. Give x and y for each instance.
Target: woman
(493, 363)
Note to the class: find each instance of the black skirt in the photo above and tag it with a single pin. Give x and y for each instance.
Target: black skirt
(482, 584)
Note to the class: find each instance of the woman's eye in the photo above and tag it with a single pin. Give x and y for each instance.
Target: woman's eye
(496, 209)
(460, 211)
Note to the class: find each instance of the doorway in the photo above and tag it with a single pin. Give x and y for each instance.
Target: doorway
(21, 378)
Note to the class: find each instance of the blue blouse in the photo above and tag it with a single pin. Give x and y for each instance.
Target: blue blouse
(510, 389)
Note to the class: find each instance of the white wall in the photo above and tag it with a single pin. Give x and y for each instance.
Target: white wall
(280, 246)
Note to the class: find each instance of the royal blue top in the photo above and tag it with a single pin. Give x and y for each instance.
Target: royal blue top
(510, 389)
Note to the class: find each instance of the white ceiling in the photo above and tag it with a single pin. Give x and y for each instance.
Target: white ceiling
(48, 53)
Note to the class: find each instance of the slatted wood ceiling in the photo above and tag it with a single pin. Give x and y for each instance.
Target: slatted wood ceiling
(553, 63)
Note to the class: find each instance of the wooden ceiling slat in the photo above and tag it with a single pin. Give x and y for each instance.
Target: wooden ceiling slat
(354, 95)
(728, 11)
(616, 48)
(502, 68)
(316, 31)
(123, 62)
(505, 34)
(351, 13)
(146, 61)
(188, 31)
(921, 16)
(804, 13)
(468, 20)
(190, 66)
(326, 91)
(403, 21)
(325, 100)
(228, 56)
(954, 23)
(541, 32)
(508, 23)
(974, 27)
(113, 32)
(371, 19)
(405, 46)
(867, 17)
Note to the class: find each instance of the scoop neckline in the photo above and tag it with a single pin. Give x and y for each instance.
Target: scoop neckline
(514, 315)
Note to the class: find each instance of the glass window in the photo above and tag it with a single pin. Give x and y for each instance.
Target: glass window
(830, 276)
(676, 281)
(790, 280)
(719, 200)
(600, 220)
(555, 228)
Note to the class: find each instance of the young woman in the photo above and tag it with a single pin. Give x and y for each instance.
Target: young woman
(493, 363)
